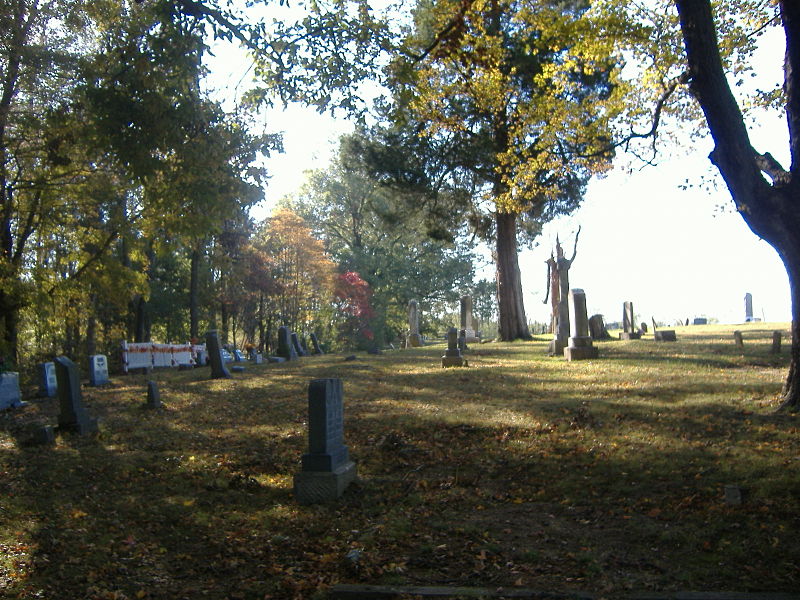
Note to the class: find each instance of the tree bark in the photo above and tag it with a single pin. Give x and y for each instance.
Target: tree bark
(512, 322)
(194, 289)
(770, 210)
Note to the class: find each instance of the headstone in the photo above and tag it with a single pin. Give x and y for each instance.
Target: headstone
(462, 340)
(561, 336)
(628, 328)
(98, 370)
(326, 469)
(663, 335)
(452, 356)
(467, 322)
(748, 307)
(298, 347)
(414, 340)
(776, 342)
(276, 359)
(48, 385)
(286, 349)
(237, 355)
(643, 327)
(257, 358)
(218, 368)
(153, 395)
(317, 349)
(700, 321)
(237, 369)
(737, 338)
(72, 415)
(580, 342)
(10, 394)
(597, 328)
(43, 436)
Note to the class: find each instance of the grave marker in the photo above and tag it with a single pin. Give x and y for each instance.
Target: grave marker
(628, 328)
(467, 322)
(580, 342)
(776, 342)
(298, 347)
(452, 356)
(48, 385)
(72, 415)
(286, 349)
(414, 339)
(663, 335)
(737, 338)
(153, 395)
(748, 307)
(315, 344)
(98, 370)
(326, 469)
(10, 394)
(597, 328)
(218, 368)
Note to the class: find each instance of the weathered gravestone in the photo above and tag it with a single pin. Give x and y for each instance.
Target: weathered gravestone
(462, 340)
(467, 324)
(452, 356)
(580, 342)
(738, 339)
(326, 469)
(286, 349)
(663, 335)
(98, 370)
(628, 328)
(72, 416)
(46, 375)
(10, 394)
(298, 347)
(597, 328)
(776, 342)
(315, 344)
(700, 321)
(218, 368)
(153, 395)
(257, 358)
(414, 340)
(748, 307)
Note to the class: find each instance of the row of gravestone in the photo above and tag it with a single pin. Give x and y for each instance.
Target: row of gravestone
(11, 394)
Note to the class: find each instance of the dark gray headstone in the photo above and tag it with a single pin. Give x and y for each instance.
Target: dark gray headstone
(317, 349)
(776, 342)
(286, 348)
(738, 339)
(700, 321)
(218, 368)
(46, 375)
(327, 468)
(10, 394)
(72, 415)
(98, 370)
(153, 395)
(597, 328)
(452, 356)
(298, 347)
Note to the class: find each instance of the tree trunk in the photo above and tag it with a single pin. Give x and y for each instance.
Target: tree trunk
(512, 322)
(194, 302)
(770, 210)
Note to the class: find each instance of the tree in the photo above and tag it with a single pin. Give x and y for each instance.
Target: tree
(768, 207)
(508, 82)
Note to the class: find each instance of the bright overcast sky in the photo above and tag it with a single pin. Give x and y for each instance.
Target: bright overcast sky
(645, 237)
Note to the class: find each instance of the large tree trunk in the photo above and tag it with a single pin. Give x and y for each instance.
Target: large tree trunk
(770, 210)
(513, 324)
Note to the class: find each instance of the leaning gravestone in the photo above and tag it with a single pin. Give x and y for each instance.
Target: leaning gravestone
(327, 469)
(628, 328)
(452, 356)
(580, 342)
(298, 347)
(597, 328)
(218, 368)
(315, 344)
(663, 335)
(10, 394)
(414, 340)
(48, 385)
(72, 416)
(286, 349)
(98, 370)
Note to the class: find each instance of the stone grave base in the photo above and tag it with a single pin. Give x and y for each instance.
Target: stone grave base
(556, 348)
(315, 487)
(580, 348)
(454, 361)
(88, 426)
(630, 335)
(665, 335)
(414, 340)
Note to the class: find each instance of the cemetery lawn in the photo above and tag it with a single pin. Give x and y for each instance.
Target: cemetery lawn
(605, 475)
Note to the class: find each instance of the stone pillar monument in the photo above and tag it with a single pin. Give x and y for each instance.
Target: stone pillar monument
(580, 342)
(558, 288)
(628, 324)
(452, 356)
(748, 307)
(466, 320)
(414, 338)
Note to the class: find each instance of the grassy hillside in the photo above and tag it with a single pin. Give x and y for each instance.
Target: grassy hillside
(605, 475)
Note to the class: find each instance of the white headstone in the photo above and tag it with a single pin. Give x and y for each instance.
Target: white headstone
(98, 369)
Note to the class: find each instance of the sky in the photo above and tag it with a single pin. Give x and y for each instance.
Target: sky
(676, 251)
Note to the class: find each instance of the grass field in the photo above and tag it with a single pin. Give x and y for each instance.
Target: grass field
(605, 475)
